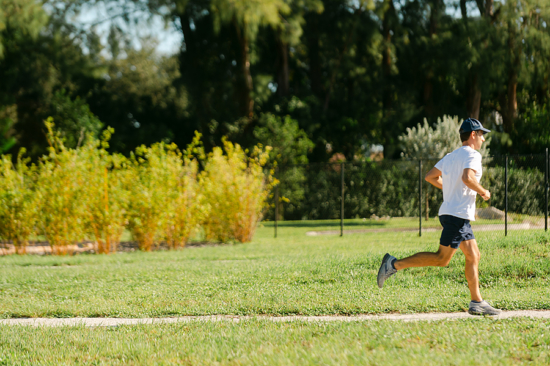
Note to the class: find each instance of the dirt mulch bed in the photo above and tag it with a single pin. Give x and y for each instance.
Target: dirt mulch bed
(88, 247)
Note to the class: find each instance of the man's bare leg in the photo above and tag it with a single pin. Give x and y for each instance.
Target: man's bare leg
(472, 254)
(441, 258)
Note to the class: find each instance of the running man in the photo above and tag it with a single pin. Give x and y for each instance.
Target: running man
(458, 175)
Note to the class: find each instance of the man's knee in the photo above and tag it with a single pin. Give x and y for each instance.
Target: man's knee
(443, 260)
(444, 256)
(473, 257)
(471, 251)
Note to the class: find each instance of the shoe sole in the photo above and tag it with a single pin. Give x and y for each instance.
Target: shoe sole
(483, 314)
(380, 271)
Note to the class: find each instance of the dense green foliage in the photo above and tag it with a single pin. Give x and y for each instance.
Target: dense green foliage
(351, 74)
(390, 188)
(371, 188)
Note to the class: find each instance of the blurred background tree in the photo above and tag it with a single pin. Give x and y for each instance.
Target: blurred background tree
(349, 74)
(434, 142)
(291, 146)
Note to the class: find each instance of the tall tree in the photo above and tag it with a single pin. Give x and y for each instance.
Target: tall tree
(522, 25)
(480, 33)
(37, 66)
(389, 22)
(246, 17)
(138, 97)
(19, 19)
(288, 34)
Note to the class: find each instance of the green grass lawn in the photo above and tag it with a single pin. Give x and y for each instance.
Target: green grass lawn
(475, 341)
(293, 274)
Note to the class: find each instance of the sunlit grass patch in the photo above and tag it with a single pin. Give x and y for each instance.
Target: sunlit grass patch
(253, 342)
(293, 274)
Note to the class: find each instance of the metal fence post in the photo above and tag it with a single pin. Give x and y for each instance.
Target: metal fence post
(420, 197)
(546, 191)
(506, 197)
(342, 203)
(276, 199)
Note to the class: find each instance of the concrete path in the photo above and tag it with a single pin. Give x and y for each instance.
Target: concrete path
(106, 322)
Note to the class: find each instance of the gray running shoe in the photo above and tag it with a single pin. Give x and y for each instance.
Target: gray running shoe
(386, 269)
(482, 308)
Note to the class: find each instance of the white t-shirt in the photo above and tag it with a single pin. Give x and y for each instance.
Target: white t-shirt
(458, 199)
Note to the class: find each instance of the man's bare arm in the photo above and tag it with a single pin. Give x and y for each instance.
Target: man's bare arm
(434, 178)
(469, 178)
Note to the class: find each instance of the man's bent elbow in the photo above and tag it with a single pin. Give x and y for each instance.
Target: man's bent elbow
(466, 179)
(430, 178)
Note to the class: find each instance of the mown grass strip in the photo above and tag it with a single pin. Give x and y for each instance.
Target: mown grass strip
(293, 274)
(457, 342)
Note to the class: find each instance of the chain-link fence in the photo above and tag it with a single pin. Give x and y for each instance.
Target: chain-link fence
(393, 195)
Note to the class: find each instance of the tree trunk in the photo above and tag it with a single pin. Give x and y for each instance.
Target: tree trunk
(428, 97)
(474, 96)
(315, 73)
(473, 102)
(191, 71)
(389, 14)
(511, 107)
(428, 83)
(343, 52)
(283, 88)
(463, 11)
(351, 92)
(512, 103)
(434, 10)
(473, 92)
(489, 8)
(245, 100)
(485, 7)
(387, 102)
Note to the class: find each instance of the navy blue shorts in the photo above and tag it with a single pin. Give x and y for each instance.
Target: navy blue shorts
(455, 231)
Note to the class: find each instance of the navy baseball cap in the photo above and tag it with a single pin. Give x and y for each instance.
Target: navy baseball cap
(472, 124)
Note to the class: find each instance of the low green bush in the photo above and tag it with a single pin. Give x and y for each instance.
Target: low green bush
(525, 189)
(390, 188)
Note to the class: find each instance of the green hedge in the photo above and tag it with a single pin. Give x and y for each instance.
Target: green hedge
(391, 188)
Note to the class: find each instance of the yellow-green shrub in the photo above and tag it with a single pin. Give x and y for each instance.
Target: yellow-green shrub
(150, 197)
(165, 201)
(105, 193)
(18, 201)
(236, 188)
(157, 193)
(60, 185)
(185, 208)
